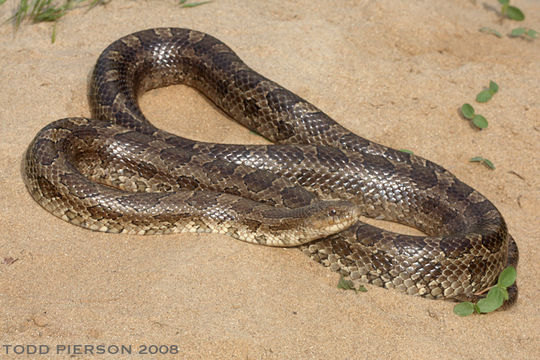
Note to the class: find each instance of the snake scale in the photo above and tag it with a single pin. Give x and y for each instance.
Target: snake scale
(118, 173)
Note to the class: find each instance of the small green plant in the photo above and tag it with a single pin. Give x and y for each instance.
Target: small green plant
(406, 151)
(478, 120)
(349, 285)
(510, 11)
(491, 31)
(36, 11)
(39, 11)
(48, 11)
(485, 95)
(524, 32)
(519, 32)
(483, 160)
(496, 296)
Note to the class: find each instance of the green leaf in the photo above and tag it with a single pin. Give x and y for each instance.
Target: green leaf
(480, 122)
(493, 87)
(517, 32)
(507, 277)
(489, 164)
(483, 96)
(490, 31)
(345, 284)
(514, 13)
(468, 111)
(486, 306)
(484, 161)
(532, 33)
(362, 288)
(406, 151)
(492, 301)
(189, 5)
(496, 293)
(464, 309)
(504, 2)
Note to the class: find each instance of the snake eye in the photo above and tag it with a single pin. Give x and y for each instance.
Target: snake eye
(332, 212)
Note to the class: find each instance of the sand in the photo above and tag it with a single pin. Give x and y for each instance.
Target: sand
(393, 72)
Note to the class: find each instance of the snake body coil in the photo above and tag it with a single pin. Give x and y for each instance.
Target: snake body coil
(119, 173)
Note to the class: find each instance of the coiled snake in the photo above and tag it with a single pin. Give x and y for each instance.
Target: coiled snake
(119, 173)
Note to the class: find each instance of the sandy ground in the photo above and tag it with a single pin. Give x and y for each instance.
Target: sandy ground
(394, 72)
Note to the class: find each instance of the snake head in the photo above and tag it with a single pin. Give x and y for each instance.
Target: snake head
(328, 218)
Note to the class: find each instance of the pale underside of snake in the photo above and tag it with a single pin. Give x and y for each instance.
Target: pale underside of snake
(119, 173)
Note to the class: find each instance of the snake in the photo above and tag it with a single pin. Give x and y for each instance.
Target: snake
(310, 188)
